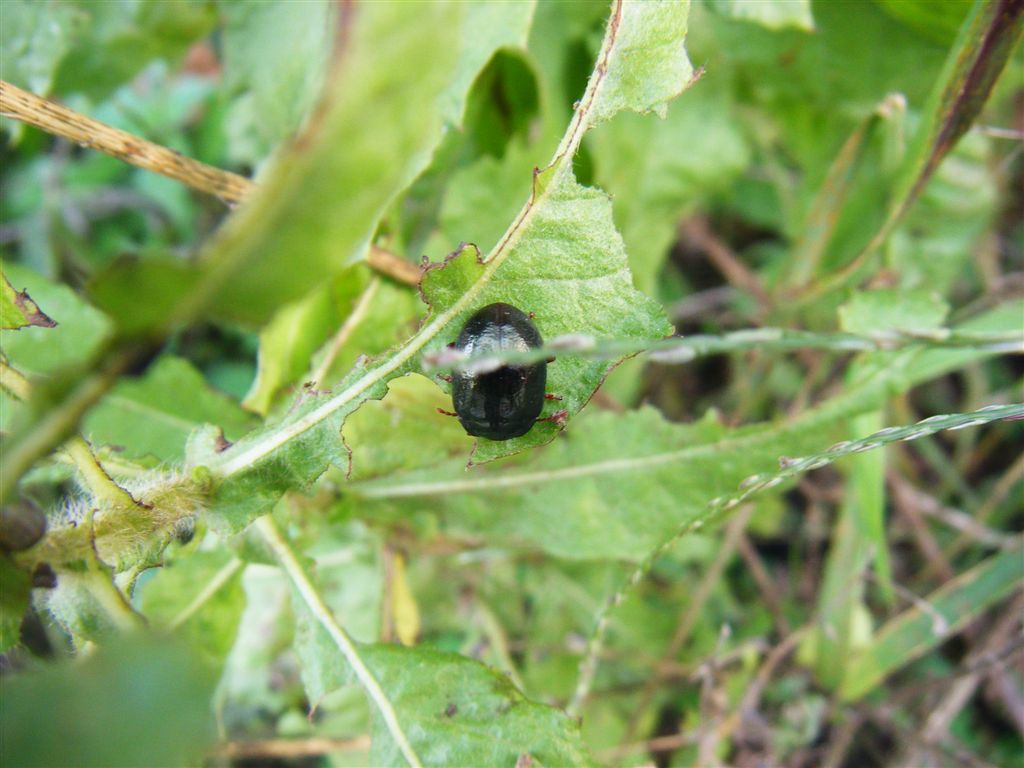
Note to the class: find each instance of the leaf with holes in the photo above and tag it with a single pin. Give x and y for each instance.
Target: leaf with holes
(561, 258)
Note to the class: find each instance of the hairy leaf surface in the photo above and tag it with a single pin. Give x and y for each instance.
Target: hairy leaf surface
(561, 258)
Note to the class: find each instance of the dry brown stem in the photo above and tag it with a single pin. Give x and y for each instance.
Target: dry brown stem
(229, 187)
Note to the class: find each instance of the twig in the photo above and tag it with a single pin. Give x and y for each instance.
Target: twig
(841, 742)
(684, 349)
(909, 506)
(752, 697)
(701, 303)
(61, 121)
(688, 618)
(714, 727)
(725, 261)
(229, 187)
(287, 559)
(764, 582)
(972, 527)
(359, 310)
(289, 749)
(936, 727)
(658, 744)
(968, 525)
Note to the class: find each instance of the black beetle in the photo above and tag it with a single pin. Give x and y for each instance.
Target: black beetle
(503, 403)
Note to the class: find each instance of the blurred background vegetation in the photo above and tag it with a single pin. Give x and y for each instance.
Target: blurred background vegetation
(741, 209)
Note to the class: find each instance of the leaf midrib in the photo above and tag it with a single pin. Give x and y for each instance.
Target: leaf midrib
(232, 462)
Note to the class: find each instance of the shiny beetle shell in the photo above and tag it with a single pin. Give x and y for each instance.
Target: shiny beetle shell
(503, 403)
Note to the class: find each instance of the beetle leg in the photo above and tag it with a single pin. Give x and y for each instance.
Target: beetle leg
(445, 377)
(558, 417)
(549, 396)
(443, 412)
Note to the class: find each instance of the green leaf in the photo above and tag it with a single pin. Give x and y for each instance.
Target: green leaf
(156, 414)
(983, 46)
(615, 486)
(404, 430)
(872, 313)
(852, 200)
(564, 229)
(134, 703)
(942, 614)
(17, 309)
(275, 57)
(317, 207)
(319, 338)
(622, 483)
(15, 586)
(454, 711)
(933, 246)
(200, 595)
(658, 170)
(647, 65)
(483, 197)
(287, 344)
(116, 40)
(458, 711)
(34, 37)
(488, 27)
(774, 14)
(867, 483)
(77, 332)
(936, 19)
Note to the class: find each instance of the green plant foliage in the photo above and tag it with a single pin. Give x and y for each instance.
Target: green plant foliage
(303, 224)
(275, 58)
(782, 532)
(15, 586)
(18, 310)
(918, 629)
(563, 228)
(455, 710)
(488, 28)
(130, 704)
(774, 14)
(607, 462)
(487, 719)
(78, 332)
(199, 595)
(114, 41)
(34, 40)
(655, 178)
(154, 415)
(885, 310)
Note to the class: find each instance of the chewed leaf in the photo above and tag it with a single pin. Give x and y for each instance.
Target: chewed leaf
(155, 414)
(568, 266)
(561, 258)
(458, 711)
(17, 309)
(648, 65)
(488, 27)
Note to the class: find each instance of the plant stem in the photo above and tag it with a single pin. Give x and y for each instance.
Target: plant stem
(222, 577)
(716, 508)
(96, 479)
(287, 559)
(84, 131)
(228, 187)
(47, 427)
